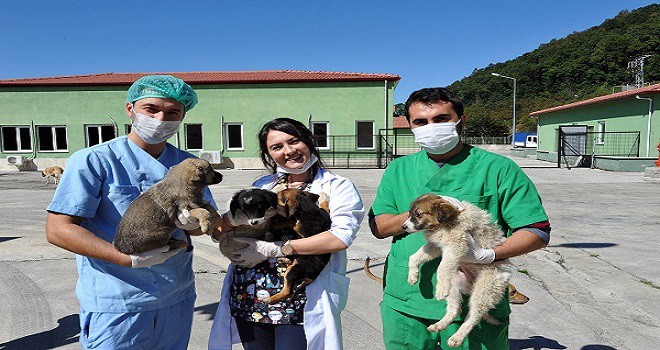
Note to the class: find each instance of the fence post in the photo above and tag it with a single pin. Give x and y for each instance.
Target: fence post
(559, 148)
(380, 151)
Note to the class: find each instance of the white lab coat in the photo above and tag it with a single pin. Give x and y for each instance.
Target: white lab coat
(327, 295)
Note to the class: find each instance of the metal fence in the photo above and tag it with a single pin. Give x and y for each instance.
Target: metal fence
(578, 148)
(351, 151)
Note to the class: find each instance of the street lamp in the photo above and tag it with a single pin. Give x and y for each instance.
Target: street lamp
(513, 130)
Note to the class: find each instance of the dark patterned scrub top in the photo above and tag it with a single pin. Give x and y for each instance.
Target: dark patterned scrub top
(266, 279)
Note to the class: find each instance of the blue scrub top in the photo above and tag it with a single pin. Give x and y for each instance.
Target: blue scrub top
(99, 184)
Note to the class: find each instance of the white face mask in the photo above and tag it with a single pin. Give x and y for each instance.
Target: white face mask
(312, 160)
(437, 138)
(154, 131)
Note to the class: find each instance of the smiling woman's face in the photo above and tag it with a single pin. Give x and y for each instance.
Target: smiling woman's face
(287, 150)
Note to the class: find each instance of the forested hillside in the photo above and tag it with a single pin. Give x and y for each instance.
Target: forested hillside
(580, 66)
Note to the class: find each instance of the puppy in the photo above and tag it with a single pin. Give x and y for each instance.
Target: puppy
(515, 297)
(297, 211)
(250, 211)
(446, 224)
(52, 171)
(149, 221)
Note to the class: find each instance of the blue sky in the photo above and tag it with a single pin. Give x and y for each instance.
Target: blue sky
(427, 43)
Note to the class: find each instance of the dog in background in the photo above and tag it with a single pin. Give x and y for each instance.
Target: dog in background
(297, 211)
(515, 297)
(52, 171)
(446, 224)
(251, 211)
(150, 220)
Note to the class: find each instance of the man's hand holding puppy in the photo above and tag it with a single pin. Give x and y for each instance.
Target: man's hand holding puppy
(154, 256)
(256, 252)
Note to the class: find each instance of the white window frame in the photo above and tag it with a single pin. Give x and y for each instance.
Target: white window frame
(18, 138)
(53, 136)
(327, 133)
(99, 127)
(242, 148)
(373, 134)
(185, 130)
(600, 136)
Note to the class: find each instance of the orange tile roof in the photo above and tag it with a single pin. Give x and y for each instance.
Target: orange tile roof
(400, 122)
(651, 89)
(202, 78)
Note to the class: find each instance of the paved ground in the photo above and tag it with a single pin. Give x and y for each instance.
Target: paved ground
(596, 287)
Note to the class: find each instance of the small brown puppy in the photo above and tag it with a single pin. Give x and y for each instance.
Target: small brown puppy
(149, 221)
(297, 211)
(52, 171)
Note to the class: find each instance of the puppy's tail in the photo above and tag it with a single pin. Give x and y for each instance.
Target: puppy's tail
(367, 271)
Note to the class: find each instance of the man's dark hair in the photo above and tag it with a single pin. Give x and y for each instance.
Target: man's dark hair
(433, 95)
(293, 128)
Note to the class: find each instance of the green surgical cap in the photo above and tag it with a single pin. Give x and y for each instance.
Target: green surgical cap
(162, 86)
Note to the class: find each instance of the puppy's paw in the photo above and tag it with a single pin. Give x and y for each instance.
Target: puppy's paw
(413, 277)
(440, 325)
(454, 341)
(284, 261)
(442, 291)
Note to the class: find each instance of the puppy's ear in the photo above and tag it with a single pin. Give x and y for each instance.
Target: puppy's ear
(313, 196)
(445, 212)
(233, 204)
(286, 204)
(272, 199)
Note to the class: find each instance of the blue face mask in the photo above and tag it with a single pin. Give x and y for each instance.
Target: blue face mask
(153, 131)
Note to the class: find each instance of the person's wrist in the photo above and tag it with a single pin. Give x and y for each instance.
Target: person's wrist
(286, 248)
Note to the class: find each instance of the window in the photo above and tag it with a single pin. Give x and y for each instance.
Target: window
(52, 139)
(365, 134)
(234, 136)
(600, 136)
(321, 132)
(194, 139)
(16, 138)
(127, 128)
(99, 133)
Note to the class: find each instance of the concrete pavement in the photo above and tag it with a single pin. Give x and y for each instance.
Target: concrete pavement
(596, 286)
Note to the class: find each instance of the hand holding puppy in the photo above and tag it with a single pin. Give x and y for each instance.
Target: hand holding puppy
(476, 254)
(154, 256)
(256, 252)
(185, 221)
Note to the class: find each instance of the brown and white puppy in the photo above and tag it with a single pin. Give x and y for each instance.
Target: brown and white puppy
(298, 213)
(446, 225)
(52, 171)
(150, 219)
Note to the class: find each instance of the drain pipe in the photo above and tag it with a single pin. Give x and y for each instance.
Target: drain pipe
(34, 140)
(648, 131)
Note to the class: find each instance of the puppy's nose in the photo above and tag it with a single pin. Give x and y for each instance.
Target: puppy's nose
(217, 177)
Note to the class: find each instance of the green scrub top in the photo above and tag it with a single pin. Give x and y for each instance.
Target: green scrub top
(487, 180)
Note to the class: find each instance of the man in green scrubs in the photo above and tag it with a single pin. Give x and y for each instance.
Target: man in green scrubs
(448, 167)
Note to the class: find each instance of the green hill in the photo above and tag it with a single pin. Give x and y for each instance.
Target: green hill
(580, 66)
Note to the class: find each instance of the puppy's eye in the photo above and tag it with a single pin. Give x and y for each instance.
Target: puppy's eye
(418, 214)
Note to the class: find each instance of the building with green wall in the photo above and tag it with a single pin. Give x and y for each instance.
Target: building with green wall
(44, 120)
(620, 131)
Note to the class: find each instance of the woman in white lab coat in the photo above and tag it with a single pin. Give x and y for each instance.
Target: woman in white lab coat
(311, 320)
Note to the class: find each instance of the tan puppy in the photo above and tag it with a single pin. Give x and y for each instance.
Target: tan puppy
(150, 220)
(52, 171)
(447, 225)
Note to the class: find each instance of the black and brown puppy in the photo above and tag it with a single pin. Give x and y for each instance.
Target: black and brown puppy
(297, 211)
(149, 221)
(52, 171)
(251, 211)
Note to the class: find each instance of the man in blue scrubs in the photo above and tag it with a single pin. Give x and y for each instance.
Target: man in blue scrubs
(143, 301)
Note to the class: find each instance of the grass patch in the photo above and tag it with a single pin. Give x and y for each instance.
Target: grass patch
(650, 284)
